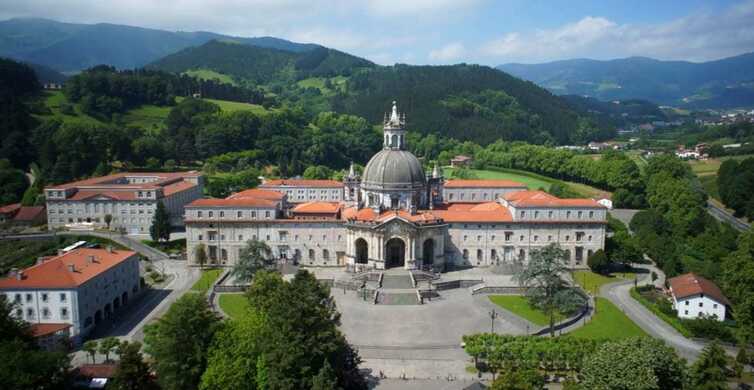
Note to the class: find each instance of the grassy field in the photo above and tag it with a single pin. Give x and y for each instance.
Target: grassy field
(207, 74)
(519, 306)
(148, 117)
(608, 323)
(55, 100)
(209, 276)
(532, 180)
(234, 305)
(707, 169)
(592, 282)
(229, 106)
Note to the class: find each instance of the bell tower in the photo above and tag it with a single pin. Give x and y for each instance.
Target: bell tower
(394, 130)
(352, 187)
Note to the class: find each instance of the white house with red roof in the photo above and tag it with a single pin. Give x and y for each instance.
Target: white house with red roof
(130, 198)
(397, 214)
(79, 288)
(694, 297)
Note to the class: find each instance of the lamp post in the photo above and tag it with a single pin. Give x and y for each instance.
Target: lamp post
(493, 315)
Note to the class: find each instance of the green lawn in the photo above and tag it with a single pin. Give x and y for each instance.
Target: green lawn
(148, 117)
(175, 246)
(592, 282)
(207, 74)
(519, 306)
(532, 180)
(229, 106)
(54, 100)
(608, 323)
(234, 305)
(205, 282)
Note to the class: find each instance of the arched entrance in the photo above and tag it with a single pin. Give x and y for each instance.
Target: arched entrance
(395, 253)
(362, 251)
(428, 252)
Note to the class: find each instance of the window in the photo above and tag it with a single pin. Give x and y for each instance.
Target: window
(222, 214)
(686, 312)
(536, 238)
(508, 236)
(687, 303)
(479, 255)
(63, 297)
(325, 254)
(45, 313)
(521, 238)
(266, 214)
(523, 214)
(701, 304)
(536, 214)
(591, 214)
(29, 313)
(17, 298)
(714, 305)
(568, 214)
(28, 297)
(44, 297)
(311, 254)
(239, 214)
(580, 214)
(253, 214)
(210, 214)
(549, 214)
(240, 237)
(200, 237)
(465, 253)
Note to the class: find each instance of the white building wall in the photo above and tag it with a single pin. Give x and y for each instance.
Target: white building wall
(474, 194)
(699, 305)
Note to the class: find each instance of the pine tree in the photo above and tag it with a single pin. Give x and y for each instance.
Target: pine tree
(132, 372)
(708, 373)
(160, 229)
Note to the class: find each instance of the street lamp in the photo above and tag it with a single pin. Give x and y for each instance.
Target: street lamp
(493, 315)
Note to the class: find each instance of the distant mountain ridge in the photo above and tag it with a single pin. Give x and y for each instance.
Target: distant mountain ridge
(71, 47)
(723, 83)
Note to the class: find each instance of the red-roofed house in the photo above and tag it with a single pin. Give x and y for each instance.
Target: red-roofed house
(80, 288)
(130, 198)
(695, 296)
(23, 215)
(52, 337)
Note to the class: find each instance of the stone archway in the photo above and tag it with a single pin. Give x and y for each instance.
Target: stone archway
(362, 251)
(395, 253)
(428, 252)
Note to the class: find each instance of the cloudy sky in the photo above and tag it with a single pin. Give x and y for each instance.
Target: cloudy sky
(489, 32)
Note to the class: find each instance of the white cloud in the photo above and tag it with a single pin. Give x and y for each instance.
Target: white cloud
(448, 53)
(697, 37)
(406, 8)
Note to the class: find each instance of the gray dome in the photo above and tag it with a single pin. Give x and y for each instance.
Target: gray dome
(393, 170)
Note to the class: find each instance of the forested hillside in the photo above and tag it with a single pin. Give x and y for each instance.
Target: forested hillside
(71, 47)
(257, 65)
(467, 102)
(715, 84)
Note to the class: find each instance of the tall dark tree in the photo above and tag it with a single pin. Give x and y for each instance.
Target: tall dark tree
(709, 371)
(160, 229)
(132, 372)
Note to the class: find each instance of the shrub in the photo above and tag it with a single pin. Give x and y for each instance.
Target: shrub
(709, 328)
(598, 262)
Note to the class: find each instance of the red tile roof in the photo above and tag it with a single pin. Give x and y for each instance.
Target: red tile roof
(55, 273)
(96, 371)
(301, 183)
(173, 188)
(317, 207)
(39, 330)
(29, 213)
(258, 193)
(690, 284)
(543, 199)
(473, 212)
(233, 202)
(463, 183)
(163, 178)
(10, 208)
(116, 195)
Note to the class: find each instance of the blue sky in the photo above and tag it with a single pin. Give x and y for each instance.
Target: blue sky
(489, 32)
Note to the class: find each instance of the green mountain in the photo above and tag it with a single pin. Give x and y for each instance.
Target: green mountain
(260, 65)
(71, 47)
(466, 102)
(724, 83)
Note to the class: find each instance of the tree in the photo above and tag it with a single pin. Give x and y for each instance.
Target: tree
(200, 254)
(91, 348)
(179, 342)
(108, 219)
(256, 255)
(233, 358)
(13, 183)
(543, 285)
(598, 262)
(325, 378)
(742, 357)
(708, 372)
(160, 229)
(638, 363)
(519, 379)
(107, 345)
(23, 364)
(737, 279)
(132, 372)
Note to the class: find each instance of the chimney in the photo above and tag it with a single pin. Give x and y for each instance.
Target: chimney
(90, 259)
(20, 275)
(109, 249)
(60, 252)
(71, 268)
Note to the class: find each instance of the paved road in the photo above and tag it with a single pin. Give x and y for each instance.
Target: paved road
(722, 215)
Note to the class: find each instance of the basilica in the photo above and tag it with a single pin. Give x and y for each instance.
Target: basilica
(396, 214)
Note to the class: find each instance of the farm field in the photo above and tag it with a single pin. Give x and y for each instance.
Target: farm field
(207, 74)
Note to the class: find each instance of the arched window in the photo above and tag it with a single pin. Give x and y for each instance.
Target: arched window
(311, 254)
(479, 255)
(325, 254)
(394, 141)
(362, 251)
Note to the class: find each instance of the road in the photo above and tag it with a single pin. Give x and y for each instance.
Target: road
(722, 215)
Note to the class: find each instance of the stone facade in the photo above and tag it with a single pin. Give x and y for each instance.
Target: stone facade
(130, 198)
